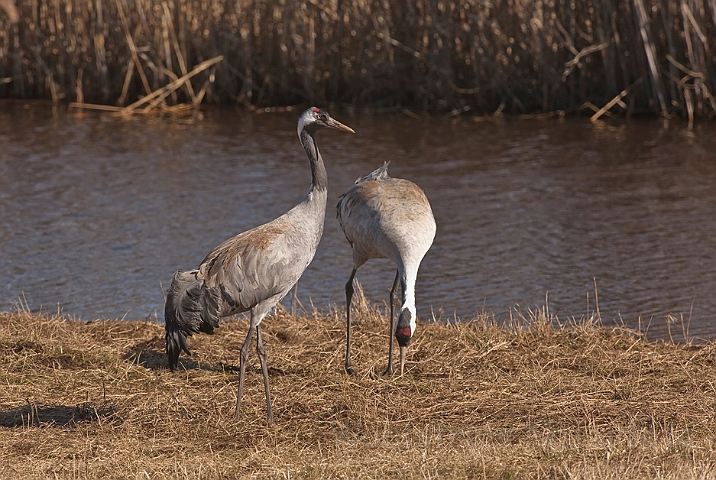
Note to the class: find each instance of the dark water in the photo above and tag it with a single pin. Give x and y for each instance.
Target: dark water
(96, 213)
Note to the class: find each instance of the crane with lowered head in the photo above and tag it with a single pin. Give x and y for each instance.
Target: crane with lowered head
(384, 217)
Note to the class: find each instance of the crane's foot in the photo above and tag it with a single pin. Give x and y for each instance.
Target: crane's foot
(350, 371)
(388, 371)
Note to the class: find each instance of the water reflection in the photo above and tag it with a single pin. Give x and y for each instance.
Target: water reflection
(96, 213)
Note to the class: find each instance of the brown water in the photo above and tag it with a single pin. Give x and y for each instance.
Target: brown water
(96, 213)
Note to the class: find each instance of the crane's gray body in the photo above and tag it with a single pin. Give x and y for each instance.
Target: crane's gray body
(385, 217)
(254, 270)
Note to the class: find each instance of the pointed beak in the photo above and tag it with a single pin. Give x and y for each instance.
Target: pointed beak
(339, 126)
(402, 359)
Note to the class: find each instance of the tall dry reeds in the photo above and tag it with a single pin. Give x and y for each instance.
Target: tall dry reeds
(642, 56)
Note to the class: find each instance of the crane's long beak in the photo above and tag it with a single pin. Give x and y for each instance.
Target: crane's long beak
(339, 126)
(402, 359)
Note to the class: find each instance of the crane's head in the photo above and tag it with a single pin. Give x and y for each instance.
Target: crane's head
(315, 118)
(404, 332)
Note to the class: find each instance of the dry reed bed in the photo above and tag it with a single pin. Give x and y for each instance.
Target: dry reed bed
(653, 56)
(531, 400)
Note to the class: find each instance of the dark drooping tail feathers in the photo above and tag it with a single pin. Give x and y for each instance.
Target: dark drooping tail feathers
(191, 308)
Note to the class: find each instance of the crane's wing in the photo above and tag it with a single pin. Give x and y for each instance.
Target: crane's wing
(255, 265)
(385, 217)
(349, 203)
(259, 265)
(361, 221)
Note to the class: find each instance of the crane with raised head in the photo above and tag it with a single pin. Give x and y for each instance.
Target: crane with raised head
(254, 270)
(384, 217)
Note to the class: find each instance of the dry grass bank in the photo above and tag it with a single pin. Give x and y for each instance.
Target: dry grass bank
(653, 56)
(94, 400)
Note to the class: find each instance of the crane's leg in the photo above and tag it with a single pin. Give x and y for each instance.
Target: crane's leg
(393, 299)
(294, 299)
(349, 297)
(264, 369)
(242, 368)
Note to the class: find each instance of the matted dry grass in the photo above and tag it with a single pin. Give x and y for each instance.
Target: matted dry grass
(532, 400)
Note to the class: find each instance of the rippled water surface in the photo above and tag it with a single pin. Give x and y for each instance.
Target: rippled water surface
(96, 213)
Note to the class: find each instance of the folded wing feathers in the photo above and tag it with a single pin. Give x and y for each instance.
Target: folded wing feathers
(239, 274)
(192, 307)
(345, 200)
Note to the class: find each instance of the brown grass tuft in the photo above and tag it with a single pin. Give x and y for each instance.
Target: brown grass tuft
(91, 400)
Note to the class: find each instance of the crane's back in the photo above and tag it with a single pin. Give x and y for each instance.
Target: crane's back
(386, 217)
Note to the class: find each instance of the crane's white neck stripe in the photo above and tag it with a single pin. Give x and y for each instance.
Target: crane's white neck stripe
(301, 124)
(411, 276)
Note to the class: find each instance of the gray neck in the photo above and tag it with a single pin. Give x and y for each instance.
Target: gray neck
(319, 177)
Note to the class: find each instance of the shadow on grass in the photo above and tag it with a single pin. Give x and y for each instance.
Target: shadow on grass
(151, 355)
(39, 415)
